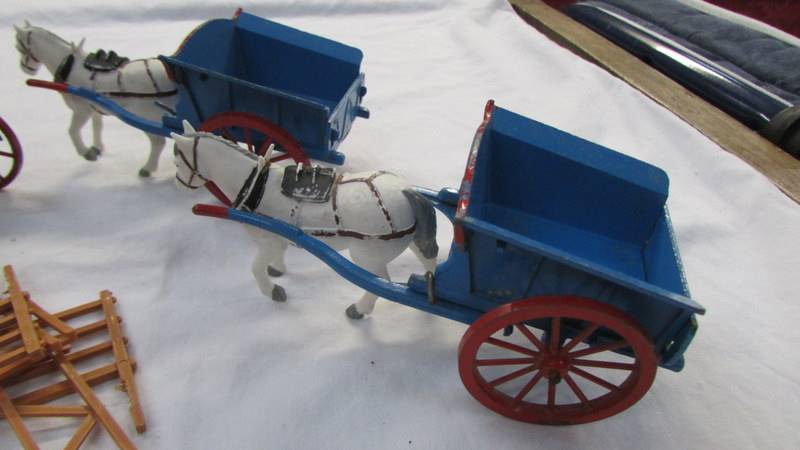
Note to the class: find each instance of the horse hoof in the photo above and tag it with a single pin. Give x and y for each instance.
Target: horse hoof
(278, 294)
(273, 272)
(353, 313)
(97, 150)
(91, 154)
(144, 173)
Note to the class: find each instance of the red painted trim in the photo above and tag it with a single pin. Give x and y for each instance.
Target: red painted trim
(469, 173)
(60, 87)
(236, 13)
(556, 359)
(217, 192)
(220, 212)
(16, 154)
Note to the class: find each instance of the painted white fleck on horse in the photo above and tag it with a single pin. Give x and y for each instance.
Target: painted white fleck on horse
(374, 215)
(138, 86)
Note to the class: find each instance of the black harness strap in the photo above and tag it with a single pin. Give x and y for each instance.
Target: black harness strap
(64, 69)
(249, 198)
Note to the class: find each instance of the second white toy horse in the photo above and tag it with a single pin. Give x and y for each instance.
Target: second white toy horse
(135, 85)
(374, 215)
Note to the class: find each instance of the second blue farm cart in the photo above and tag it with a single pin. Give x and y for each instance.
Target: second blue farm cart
(563, 264)
(257, 82)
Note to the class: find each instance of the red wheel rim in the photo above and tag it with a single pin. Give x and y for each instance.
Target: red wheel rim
(592, 362)
(10, 155)
(255, 133)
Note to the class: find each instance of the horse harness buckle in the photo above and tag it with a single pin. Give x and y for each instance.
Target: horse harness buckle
(308, 184)
(102, 61)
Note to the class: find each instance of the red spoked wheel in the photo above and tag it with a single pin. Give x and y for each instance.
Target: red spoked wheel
(257, 134)
(10, 155)
(589, 362)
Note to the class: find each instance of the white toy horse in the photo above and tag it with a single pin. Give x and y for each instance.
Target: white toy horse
(140, 86)
(374, 215)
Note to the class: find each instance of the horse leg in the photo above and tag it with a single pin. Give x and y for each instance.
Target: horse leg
(80, 115)
(366, 304)
(373, 256)
(429, 264)
(156, 146)
(97, 133)
(269, 249)
(278, 266)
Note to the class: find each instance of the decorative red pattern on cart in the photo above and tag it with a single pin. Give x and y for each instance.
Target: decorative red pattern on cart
(469, 173)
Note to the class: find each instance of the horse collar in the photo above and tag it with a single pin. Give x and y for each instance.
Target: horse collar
(252, 191)
(64, 69)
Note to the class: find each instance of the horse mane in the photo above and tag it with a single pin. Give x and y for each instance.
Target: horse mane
(46, 31)
(227, 143)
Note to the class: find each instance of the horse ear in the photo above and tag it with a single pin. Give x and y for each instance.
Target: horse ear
(79, 48)
(27, 24)
(181, 141)
(188, 128)
(17, 29)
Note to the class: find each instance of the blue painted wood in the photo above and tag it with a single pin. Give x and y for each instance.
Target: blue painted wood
(397, 292)
(308, 85)
(123, 114)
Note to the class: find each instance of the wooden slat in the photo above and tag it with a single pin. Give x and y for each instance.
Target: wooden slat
(15, 420)
(22, 313)
(50, 366)
(123, 360)
(51, 410)
(63, 388)
(781, 168)
(52, 320)
(71, 313)
(98, 409)
(81, 433)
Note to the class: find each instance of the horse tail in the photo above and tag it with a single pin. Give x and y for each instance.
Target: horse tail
(425, 235)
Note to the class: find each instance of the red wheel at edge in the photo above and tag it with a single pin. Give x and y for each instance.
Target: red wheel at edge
(10, 150)
(257, 133)
(556, 362)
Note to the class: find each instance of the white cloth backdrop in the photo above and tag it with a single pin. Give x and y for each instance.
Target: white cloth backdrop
(220, 366)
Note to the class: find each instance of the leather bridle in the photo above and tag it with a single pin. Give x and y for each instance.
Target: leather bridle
(25, 49)
(192, 166)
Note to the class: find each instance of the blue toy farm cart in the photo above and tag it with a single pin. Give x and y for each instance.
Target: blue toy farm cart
(255, 81)
(563, 264)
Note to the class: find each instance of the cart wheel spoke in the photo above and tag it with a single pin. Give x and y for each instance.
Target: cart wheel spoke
(10, 149)
(555, 334)
(505, 361)
(580, 337)
(511, 376)
(280, 157)
(594, 379)
(226, 133)
(526, 389)
(531, 337)
(603, 364)
(576, 389)
(610, 387)
(512, 347)
(616, 345)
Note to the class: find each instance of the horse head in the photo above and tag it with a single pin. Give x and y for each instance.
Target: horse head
(187, 175)
(29, 62)
(38, 46)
